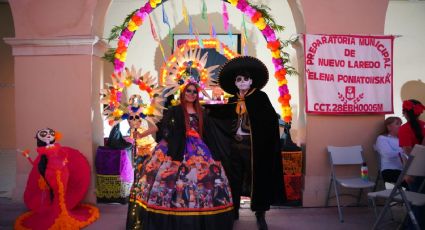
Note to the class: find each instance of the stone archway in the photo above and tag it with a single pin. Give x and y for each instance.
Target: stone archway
(139, 16)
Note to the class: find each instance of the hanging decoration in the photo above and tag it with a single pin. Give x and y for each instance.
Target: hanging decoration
(153, 31)
(244, 37)
(213, 34)
(185, 14)
(200, 42)
(225, 17)
(244, 31)
(204, 10)
(165, 21)
(190, 26)
(260, 17)
(156, 38)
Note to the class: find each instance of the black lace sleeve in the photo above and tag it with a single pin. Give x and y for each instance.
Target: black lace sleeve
(173, 131)
(167, 124)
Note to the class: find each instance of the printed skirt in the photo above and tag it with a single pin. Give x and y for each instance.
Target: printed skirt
(191, 194)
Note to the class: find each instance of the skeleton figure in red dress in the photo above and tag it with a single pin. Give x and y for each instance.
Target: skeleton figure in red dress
(56, 185)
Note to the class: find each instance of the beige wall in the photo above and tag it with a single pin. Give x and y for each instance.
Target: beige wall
(7, 89)
(405, 18)
(58, 98)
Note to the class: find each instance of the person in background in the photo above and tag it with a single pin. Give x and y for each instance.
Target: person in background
(389, 150)
(410, 134)
(413, 131)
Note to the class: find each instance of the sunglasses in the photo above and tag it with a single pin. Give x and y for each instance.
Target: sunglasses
(133, 117)
(239, 78)
(191, 91)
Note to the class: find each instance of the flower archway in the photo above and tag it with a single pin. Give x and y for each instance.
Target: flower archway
(259, 17)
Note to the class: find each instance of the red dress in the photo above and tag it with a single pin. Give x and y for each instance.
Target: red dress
(68, 174)
(407, 137)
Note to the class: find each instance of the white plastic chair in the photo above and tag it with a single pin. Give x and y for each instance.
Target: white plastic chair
(343, 156)
(414, 167)
(373, 196)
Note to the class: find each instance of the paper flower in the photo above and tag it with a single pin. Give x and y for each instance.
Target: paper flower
(273, 46)
(280, 74)
(260, 23)
(233, 2)
(242, 4)
(249, 11)
(256, 17)
(276, 54)
(137, 19)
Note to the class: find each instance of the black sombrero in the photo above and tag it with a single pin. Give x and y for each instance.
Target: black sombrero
(229, 70)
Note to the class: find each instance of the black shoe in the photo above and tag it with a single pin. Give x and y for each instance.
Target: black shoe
(236, 215)
(261, 220)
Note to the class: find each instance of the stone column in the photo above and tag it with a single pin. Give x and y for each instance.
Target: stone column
(58, 73)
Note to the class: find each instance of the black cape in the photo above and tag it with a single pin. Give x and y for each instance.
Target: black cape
(268, 184)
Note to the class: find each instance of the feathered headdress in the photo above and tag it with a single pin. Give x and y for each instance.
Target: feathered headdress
(180, 71)
(118, 109)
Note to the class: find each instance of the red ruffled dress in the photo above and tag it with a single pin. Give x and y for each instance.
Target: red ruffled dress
(68, 174)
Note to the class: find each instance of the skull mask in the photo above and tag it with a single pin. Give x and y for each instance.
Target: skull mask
(45, 137)
(135, 121)
(243, 82)
(134, 118)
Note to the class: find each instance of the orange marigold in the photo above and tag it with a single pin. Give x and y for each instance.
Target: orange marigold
(256, 16)
(273, 45)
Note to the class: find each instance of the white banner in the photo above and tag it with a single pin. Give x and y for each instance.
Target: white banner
(348, 74)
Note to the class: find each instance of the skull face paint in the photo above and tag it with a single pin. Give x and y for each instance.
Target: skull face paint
(243, 82)
(134, 119)
(45, 137)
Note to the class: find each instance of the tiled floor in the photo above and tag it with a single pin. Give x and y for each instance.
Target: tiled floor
(113, 217)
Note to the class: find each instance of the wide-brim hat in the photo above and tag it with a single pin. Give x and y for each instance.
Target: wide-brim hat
(229, 70)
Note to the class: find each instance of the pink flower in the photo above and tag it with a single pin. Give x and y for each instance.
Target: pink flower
(267, 30)
(249, 11)
(277, 62)
(125, 40)
(283, 90)
(118, 65)
(147, 8)
(127, 34)
(242, 4)
(271, 37)
(278, 67)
